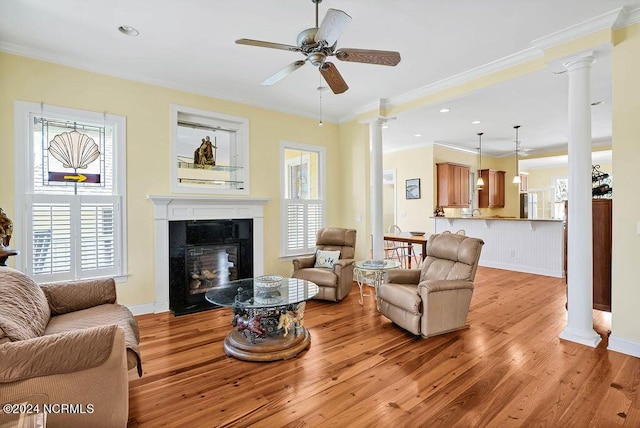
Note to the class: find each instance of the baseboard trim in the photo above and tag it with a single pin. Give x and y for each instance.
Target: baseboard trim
(524, 269)
(146, 308)
(624, 346)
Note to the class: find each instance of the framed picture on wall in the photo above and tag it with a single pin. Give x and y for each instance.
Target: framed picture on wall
(413, 188)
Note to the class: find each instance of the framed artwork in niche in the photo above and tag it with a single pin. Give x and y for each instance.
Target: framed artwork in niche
(413, 188)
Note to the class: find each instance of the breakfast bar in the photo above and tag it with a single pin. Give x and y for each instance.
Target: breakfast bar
(522, 245)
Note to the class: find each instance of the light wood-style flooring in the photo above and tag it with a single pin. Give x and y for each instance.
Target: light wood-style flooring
(509, 369)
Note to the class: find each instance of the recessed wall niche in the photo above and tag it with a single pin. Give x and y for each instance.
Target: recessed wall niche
(209, 152)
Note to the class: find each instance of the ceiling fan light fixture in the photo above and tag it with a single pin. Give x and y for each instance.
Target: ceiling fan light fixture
(317, 44)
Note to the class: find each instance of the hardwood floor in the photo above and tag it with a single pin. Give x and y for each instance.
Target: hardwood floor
(509, 369)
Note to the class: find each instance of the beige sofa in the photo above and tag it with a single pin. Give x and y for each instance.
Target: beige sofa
(436, 298)
(69, 342)
(336, 282)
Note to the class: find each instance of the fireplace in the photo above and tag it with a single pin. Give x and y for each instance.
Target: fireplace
(200, 211)
(203, 255)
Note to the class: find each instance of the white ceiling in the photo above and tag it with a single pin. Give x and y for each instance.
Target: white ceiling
(189, 45)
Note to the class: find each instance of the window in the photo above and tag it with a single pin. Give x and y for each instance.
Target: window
(303, 206)
(70, 198)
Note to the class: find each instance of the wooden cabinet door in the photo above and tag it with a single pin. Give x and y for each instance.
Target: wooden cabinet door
(452, 185)
(492, 195)
(500, 189)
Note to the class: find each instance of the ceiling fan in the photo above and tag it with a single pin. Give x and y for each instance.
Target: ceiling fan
(319, 43)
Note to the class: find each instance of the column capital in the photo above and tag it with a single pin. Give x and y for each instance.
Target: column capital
(582, 60)
(379, 121)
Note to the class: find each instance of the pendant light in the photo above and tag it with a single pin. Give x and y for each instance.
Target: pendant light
(480, 182)
(516, 178)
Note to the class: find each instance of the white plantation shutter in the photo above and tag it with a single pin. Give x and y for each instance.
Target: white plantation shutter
(97, 229)
(304, 218)
(63, 226)
(51, 239)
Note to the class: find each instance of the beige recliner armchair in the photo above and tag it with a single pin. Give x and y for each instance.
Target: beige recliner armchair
(435, 299)
(336, 279)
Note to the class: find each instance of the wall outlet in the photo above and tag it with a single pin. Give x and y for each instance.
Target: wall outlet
(358, 218)
(512, 253)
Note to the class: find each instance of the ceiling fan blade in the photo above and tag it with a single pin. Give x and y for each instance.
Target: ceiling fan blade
(333, 78)
(369, 56)
(272, 45)
(283, 73)
(333, 24)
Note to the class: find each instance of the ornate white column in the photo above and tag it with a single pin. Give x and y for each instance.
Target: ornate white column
(579, 234)
(375, 150)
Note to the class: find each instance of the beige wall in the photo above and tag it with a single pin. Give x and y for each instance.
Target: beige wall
(413, 214)
(147, 109)
(626, 204)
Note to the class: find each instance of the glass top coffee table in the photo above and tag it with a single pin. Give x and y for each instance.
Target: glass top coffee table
(268, 314)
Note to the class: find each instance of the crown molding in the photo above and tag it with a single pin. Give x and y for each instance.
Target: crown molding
(629, 16)
(115, 72)
(600, 22)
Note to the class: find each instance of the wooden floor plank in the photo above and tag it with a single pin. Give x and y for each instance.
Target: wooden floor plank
(509, 369)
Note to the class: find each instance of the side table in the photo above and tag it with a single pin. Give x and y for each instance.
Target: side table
(371, 273)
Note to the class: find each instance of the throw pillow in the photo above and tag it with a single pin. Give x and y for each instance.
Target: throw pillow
(326, 259)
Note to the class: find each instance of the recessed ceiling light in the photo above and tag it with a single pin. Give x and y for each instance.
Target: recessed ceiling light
(128, 30)
(475, 122)
(444, 110)
(417, 135)
(597, 103)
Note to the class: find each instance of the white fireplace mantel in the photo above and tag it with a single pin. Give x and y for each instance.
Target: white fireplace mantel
(184, 207)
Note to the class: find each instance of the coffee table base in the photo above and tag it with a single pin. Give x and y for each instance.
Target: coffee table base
(237, 345)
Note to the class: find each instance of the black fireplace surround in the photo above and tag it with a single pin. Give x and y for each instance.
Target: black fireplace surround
(204, 254)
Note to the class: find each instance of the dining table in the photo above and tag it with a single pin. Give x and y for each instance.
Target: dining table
(410, 238)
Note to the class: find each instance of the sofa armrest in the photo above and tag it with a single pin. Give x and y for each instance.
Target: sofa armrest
(304, 262)
(403, 276)
(434, 285)
(105, 387)
(71, 296)
(58, 353)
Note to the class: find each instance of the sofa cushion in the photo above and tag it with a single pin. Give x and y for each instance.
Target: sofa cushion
(108, 314)
(24, 310)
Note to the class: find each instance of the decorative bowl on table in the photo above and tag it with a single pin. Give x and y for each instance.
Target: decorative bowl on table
(417, 233)
(268, 282)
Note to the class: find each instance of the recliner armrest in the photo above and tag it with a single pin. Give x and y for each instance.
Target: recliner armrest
(71, 296)
(403, 276)
(304, 262)
(433, 285)
(58, 353)
(340, 264)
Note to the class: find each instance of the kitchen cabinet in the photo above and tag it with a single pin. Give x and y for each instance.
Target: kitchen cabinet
(452, 185)
(492, 194)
